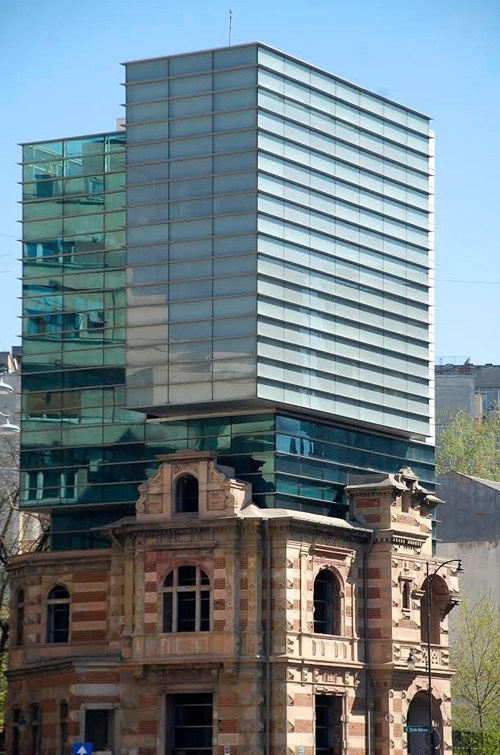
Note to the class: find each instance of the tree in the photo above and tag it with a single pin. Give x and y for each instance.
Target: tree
(470, 447)
(475, 653)
(20, 532)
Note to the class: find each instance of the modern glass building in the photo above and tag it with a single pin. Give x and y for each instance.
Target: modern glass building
(278, 233)
(246, 269)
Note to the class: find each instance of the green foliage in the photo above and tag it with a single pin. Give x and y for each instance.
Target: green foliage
(470, 447)
(475, 653)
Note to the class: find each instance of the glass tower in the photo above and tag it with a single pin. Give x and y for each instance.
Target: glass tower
(261, 288)
(278, 242)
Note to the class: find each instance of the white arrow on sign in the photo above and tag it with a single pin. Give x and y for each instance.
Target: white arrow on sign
(82, 751)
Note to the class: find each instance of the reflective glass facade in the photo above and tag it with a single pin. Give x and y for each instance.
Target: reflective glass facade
(270, 298)
(279, 241)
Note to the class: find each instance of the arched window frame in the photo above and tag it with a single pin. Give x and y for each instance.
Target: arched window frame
(333, 618)
(19, 608)
(186, 501)
(186, 602)
(440, 598)
(58, 614)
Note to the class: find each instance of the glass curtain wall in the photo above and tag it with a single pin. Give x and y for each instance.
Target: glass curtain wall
(191, 229)
(344, 249)
(76, 434)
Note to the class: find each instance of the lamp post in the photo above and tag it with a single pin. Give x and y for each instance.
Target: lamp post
(429, 578)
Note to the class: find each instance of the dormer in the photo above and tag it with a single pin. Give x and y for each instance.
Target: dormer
(395, 506)
(190, 484)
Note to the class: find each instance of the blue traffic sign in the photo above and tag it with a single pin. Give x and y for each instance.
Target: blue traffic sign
(82, 748)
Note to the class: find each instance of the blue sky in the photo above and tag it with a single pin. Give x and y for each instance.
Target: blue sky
(61, 71)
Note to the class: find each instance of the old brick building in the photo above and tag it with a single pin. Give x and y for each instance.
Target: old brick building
(213, 626)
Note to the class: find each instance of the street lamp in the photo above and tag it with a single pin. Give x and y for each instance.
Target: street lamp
(429, 579)
(8, 428)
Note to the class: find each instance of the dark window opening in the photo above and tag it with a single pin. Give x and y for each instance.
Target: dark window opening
(19, 638)
(99, 728)
(186, 494)
(35, 729)
(58, 615)
(406, 596)
(328, 729)
(63, 727)
(189, 722)
(186, 600)
(16, 719)
(327, 604)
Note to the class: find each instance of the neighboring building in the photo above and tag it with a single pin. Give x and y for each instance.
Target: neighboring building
(465, 387)
(469, 529)
(261, 290)
(455, 393)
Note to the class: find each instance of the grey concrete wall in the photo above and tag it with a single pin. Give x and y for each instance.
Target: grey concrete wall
(471, 510)
(469, 529)
(481, 562)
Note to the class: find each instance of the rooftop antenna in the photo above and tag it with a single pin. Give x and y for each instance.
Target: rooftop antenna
(230, 25)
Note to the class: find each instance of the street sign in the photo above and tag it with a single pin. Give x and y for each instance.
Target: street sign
(418, 729)
(82, 748)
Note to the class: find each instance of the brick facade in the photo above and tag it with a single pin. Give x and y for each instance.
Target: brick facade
(262, 660)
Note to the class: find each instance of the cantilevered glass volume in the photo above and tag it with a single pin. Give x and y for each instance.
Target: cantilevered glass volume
(279, 242)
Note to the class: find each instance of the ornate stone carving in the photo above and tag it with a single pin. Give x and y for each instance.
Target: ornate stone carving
(214, 474)
(184, 466)
(217, 500)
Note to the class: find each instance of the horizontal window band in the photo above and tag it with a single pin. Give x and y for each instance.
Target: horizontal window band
(340, 140)
(336, 118)
(353, 87)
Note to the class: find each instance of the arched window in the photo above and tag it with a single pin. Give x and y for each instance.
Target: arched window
(186, 494)
(405, 596)
(58, 615)
(19, 639)
(327, 604)
(186, 600)
(432, 619)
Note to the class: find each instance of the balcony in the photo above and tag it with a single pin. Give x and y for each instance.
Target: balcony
(323, 648)
(440, 656)
(178, 645)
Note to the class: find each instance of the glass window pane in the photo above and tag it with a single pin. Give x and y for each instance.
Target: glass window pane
(238, 119)
(233, 163)
(144, 92)
(234, 79)
(190, 63)
(237, 56)
(191, 106)
(185, 168)
(234, 142)
(146, 132)
(188, 147)
(191, 126)
(234, 100)
(190, 85)
(151, 69)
